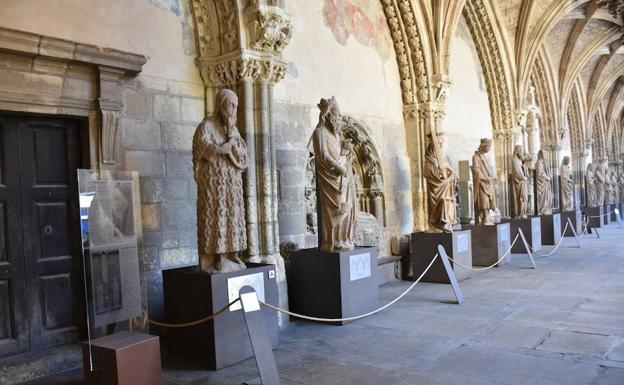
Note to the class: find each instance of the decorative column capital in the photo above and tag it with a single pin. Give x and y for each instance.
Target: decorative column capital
(432, 111)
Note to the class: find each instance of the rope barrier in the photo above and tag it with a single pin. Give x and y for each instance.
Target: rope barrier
(603, 215)
(556, 247)
(193, 323)
(333, 320)
(507, 253)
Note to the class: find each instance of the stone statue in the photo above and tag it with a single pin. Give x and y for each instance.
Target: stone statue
(615, 189)
(608, 189)
(599, 179)
(520, 183)
(590, 185)
(219, 159)
(483, 181)
(441, 181)
(544, 188)
(566, 184)
(336, 182)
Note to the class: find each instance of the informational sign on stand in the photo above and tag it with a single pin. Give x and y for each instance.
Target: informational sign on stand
(111, 228)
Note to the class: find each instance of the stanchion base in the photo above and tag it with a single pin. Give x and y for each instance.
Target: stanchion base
(191, 294)
(489, 244)
(551, 228)
(576, 217)
(337, 284)
(424, 247)
(532, 229)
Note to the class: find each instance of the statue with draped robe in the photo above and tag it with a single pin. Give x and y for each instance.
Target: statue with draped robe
(441, 181)
(484, 183)
(599, 178)
(590, 187)
(566, 184)
(543, 186)
(520, 182)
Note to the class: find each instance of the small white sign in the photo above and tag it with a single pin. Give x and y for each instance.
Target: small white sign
(503, 233)
(359, 266)
(236, 283)
(250, 302)
(462, 243)
(271, 274)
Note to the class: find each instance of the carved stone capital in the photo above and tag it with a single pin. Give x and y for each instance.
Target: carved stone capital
(269, 28)
(432, 111)
(226, 72)
(410, 113)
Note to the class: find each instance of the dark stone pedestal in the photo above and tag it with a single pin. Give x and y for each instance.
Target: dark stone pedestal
(612, 209)
(551, 229)
(424, 246)
(576, 218)
(123, 358)
(606, 219)
(338, 284)
(489, 244)
(532, 229)
(191, 294)
(593, 215)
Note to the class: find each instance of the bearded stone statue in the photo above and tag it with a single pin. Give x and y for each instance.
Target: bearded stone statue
(335, 180)
(544, 188)
(590, 184)
(219, 159)
(441, 181)
(566, 184)
(483, 181)
(520, 183)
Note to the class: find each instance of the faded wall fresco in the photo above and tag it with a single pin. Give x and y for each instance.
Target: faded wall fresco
(362, 19)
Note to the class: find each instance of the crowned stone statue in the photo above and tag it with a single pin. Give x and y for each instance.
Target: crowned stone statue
(520, 182)
(484, 183)
(335, 180)
(219, 159)
(566, 184)
(441, 181)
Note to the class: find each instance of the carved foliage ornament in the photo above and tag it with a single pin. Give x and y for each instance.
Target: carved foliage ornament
(273, 32)
(227, 73)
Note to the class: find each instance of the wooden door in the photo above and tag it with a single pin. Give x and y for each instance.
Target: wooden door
(47, 219)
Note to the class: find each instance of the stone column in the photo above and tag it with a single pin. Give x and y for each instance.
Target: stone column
(415, 149)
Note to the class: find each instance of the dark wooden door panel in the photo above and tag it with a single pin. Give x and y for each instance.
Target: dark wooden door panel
(50, 155)
(14, 335)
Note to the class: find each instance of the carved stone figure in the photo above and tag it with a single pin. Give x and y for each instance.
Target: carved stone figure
(599, 178)
(609, 197)
(566, 184)
(441, 181)
(483, 182)
(520, 183)
(335, 179)
(219, 159)
(616, 188)
(544, 188)
(590, 185)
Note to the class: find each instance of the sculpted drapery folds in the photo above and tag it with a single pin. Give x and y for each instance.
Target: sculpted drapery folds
(590, 185)
(616, 188)
(566, 184)
(520, 183)
(609, 192)
(484, 183)
(599, 178)
(335, 180)
(544, 188)
(441, 181)
(219, 159)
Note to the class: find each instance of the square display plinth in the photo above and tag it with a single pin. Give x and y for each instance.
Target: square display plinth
(489, 244)
(612, 210)
(594, 215)
(191, 294)
(336, 284)
(532, 229)
(551, 229)
(576, 218)
(124, 358)
(424, 246)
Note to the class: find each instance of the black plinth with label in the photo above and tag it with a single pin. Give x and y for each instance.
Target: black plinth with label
(191, 294)
(532, 230)
(424, 246)
(612, 208)
(594, 215)
(551, 229)
(337, 284)
(489, 244)
(576, 218)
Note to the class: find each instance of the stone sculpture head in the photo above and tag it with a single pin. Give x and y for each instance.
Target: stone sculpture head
(485, 145)
(226, 105)
(330, 115)
(440, 136)
(566, 160)
(519, 151)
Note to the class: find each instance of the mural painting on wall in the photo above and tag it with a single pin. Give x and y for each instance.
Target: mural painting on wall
(369, 189)
(364, 19)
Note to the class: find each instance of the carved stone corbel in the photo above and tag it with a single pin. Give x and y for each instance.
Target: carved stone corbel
(110, 104)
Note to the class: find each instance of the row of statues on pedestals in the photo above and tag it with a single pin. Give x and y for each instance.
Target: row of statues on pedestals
(603, 187)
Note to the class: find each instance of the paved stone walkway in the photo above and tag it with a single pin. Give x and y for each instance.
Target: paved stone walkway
(560, 324)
